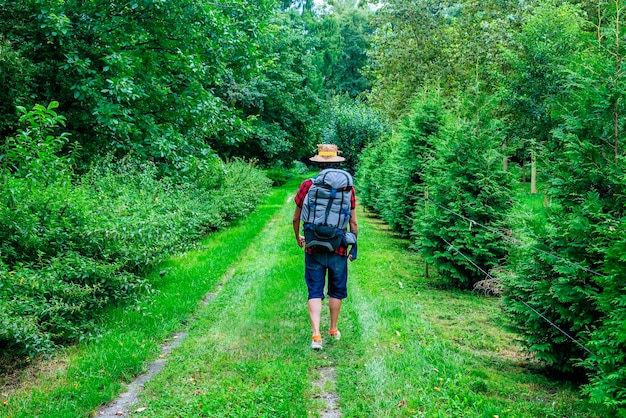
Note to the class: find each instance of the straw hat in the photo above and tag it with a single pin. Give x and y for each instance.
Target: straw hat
(327, 153)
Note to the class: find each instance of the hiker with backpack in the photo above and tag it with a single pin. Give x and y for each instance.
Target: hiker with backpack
(325, 207)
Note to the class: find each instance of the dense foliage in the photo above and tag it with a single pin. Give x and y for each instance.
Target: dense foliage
(345, 42)
(450, 43)
(236, 78)
(71, 245)
(352, 125)
(405, 155)
(127, 71)
(582, 290)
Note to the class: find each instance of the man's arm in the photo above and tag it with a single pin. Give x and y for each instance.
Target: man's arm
(299, 201)
(354, 226)
(296, 225)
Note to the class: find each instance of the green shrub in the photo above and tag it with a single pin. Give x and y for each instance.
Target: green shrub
(300, 168)
(608, 342)
(392, 171)
(278, 175)
(371, 175)
(243, 188)
(417, 136)
(281, 173)
(352, 125)
(70, 246)
(72, 249)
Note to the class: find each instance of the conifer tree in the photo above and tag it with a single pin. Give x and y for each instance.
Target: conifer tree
(577, 282)
(470, 198)
(415, 138)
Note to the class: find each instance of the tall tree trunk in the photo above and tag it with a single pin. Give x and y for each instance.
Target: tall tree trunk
(533, 173)
(505, 158)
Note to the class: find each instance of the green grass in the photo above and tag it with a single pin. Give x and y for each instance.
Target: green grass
(247, 354)
(407, 349)
(436, 353)
(528, 202)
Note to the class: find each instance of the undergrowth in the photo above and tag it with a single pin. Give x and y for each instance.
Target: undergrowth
(71, 245)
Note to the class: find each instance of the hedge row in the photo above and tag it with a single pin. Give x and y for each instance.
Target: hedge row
(436, 160)
(71, 245)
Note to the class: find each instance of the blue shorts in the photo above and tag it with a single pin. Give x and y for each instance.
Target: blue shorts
(316, 266)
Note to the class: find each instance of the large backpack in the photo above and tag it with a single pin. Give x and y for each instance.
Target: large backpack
(326, 210)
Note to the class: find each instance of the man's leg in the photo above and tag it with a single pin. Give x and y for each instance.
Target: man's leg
(315, 276)
(335, 306)
(315, 311)
(337, 290)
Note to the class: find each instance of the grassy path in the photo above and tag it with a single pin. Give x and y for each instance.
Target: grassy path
(406, 349)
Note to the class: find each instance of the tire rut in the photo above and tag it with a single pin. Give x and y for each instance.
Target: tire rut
(329, 397)
(120, 407)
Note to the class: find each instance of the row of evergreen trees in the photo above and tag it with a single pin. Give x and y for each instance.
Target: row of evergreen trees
(539, 81)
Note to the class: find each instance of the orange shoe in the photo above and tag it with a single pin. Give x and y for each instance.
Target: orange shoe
(335, 334)
(316, 342)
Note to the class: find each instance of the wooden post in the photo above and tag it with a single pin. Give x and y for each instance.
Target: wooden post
(426, 211)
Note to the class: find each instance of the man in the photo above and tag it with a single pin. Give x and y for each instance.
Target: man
(318, 262)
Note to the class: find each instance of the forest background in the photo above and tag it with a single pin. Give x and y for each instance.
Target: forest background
(131, 129)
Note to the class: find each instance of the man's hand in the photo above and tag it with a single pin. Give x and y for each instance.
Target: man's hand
(300, 241)
(352, 253)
